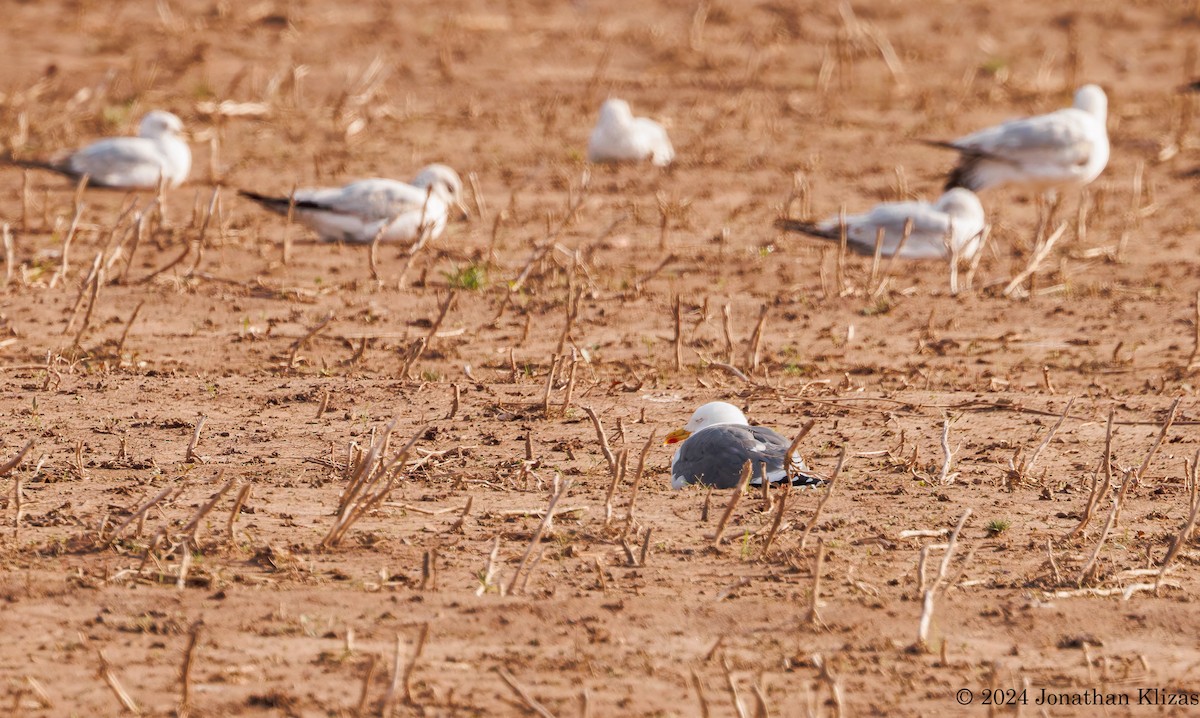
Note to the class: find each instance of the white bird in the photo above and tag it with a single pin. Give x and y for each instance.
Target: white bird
(157, 154)
(717, 443)
(619, 137)
(359, 211)
(955, 221)
(1064, 148)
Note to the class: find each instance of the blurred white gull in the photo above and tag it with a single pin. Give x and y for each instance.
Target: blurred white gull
(619, 137)
(157, 154)
(717, 443)
(1068, 147)
(955, 220)
(359, 211)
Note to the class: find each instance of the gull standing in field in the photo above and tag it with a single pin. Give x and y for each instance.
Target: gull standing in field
(951, 226)
(619, 136)
(157, 155)
(717, 443)
(1068, 147)
(362, 210)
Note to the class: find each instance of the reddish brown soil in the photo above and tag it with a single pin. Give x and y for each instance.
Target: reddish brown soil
(758, 94)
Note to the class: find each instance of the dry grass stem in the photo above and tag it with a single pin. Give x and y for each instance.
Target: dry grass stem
(537, 534)
(733, 502)
(190, 456)
(1098, 490)
(15, 461)
(1086, 573)
(299, 343)
(530, 702)
(238, 502)
(813, 617)
(191, 528)
(114, 684)
(189, 662)
(945, 477)
(10, 254)
(1193, 361)
(637, 480)
(930, 594)
(830, 484)
(1043, 249)
(286, 255)
(1162, 434)
(411, 668)
(754, 349)
(1049, 435)
(603, 439)
(125, 332)
(370, 483)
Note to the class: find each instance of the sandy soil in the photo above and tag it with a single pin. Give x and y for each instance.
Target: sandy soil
(774, 108)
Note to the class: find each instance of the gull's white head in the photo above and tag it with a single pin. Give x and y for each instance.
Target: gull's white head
(711, 414)
(615, 112)
(1092, 100)
(961, 203)
(444, 182)
(159, 123)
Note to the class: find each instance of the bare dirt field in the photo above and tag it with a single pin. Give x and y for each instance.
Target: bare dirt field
(226, 355)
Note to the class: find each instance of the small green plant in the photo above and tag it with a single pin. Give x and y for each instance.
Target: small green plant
(881, 306)
(998, 526)
(472, 277)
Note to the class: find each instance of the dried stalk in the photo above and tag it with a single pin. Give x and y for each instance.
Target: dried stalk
(733, 502)
(529, 701)
(189, 660)
(1035, 261)
(837, 470)
(370, 483)
(1088, 567)
(927, 607)
(114, 684)
(813, 618)
(537, 535)
(602, 438)
(296, 345)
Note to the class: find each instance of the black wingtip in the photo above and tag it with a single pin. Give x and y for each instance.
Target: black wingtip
(795, 225)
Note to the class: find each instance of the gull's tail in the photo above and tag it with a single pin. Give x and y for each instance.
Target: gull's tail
(807, 479)
(963, 174)
(8, 159)
(280, 204)
(810, 228)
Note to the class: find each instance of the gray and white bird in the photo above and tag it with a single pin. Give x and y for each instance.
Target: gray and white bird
(359, 211)
(955, 221)
(158, 154)
(717, 443)
(1068, 147)
(621, 137)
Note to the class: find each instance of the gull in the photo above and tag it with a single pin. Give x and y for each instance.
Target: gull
(619, 136)
(1068, 147)
(362, 210)
(718, 441)
(953, 224)
(157, 155)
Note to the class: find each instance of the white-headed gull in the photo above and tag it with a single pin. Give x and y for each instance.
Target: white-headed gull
(393, 210)
(955, 220)
(1068, 147)
(157, 154)
(717, 443)
(619, 137)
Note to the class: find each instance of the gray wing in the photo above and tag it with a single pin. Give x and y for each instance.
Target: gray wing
(370, 199)
(119, 162)
(1065, 137)
(715, 456)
